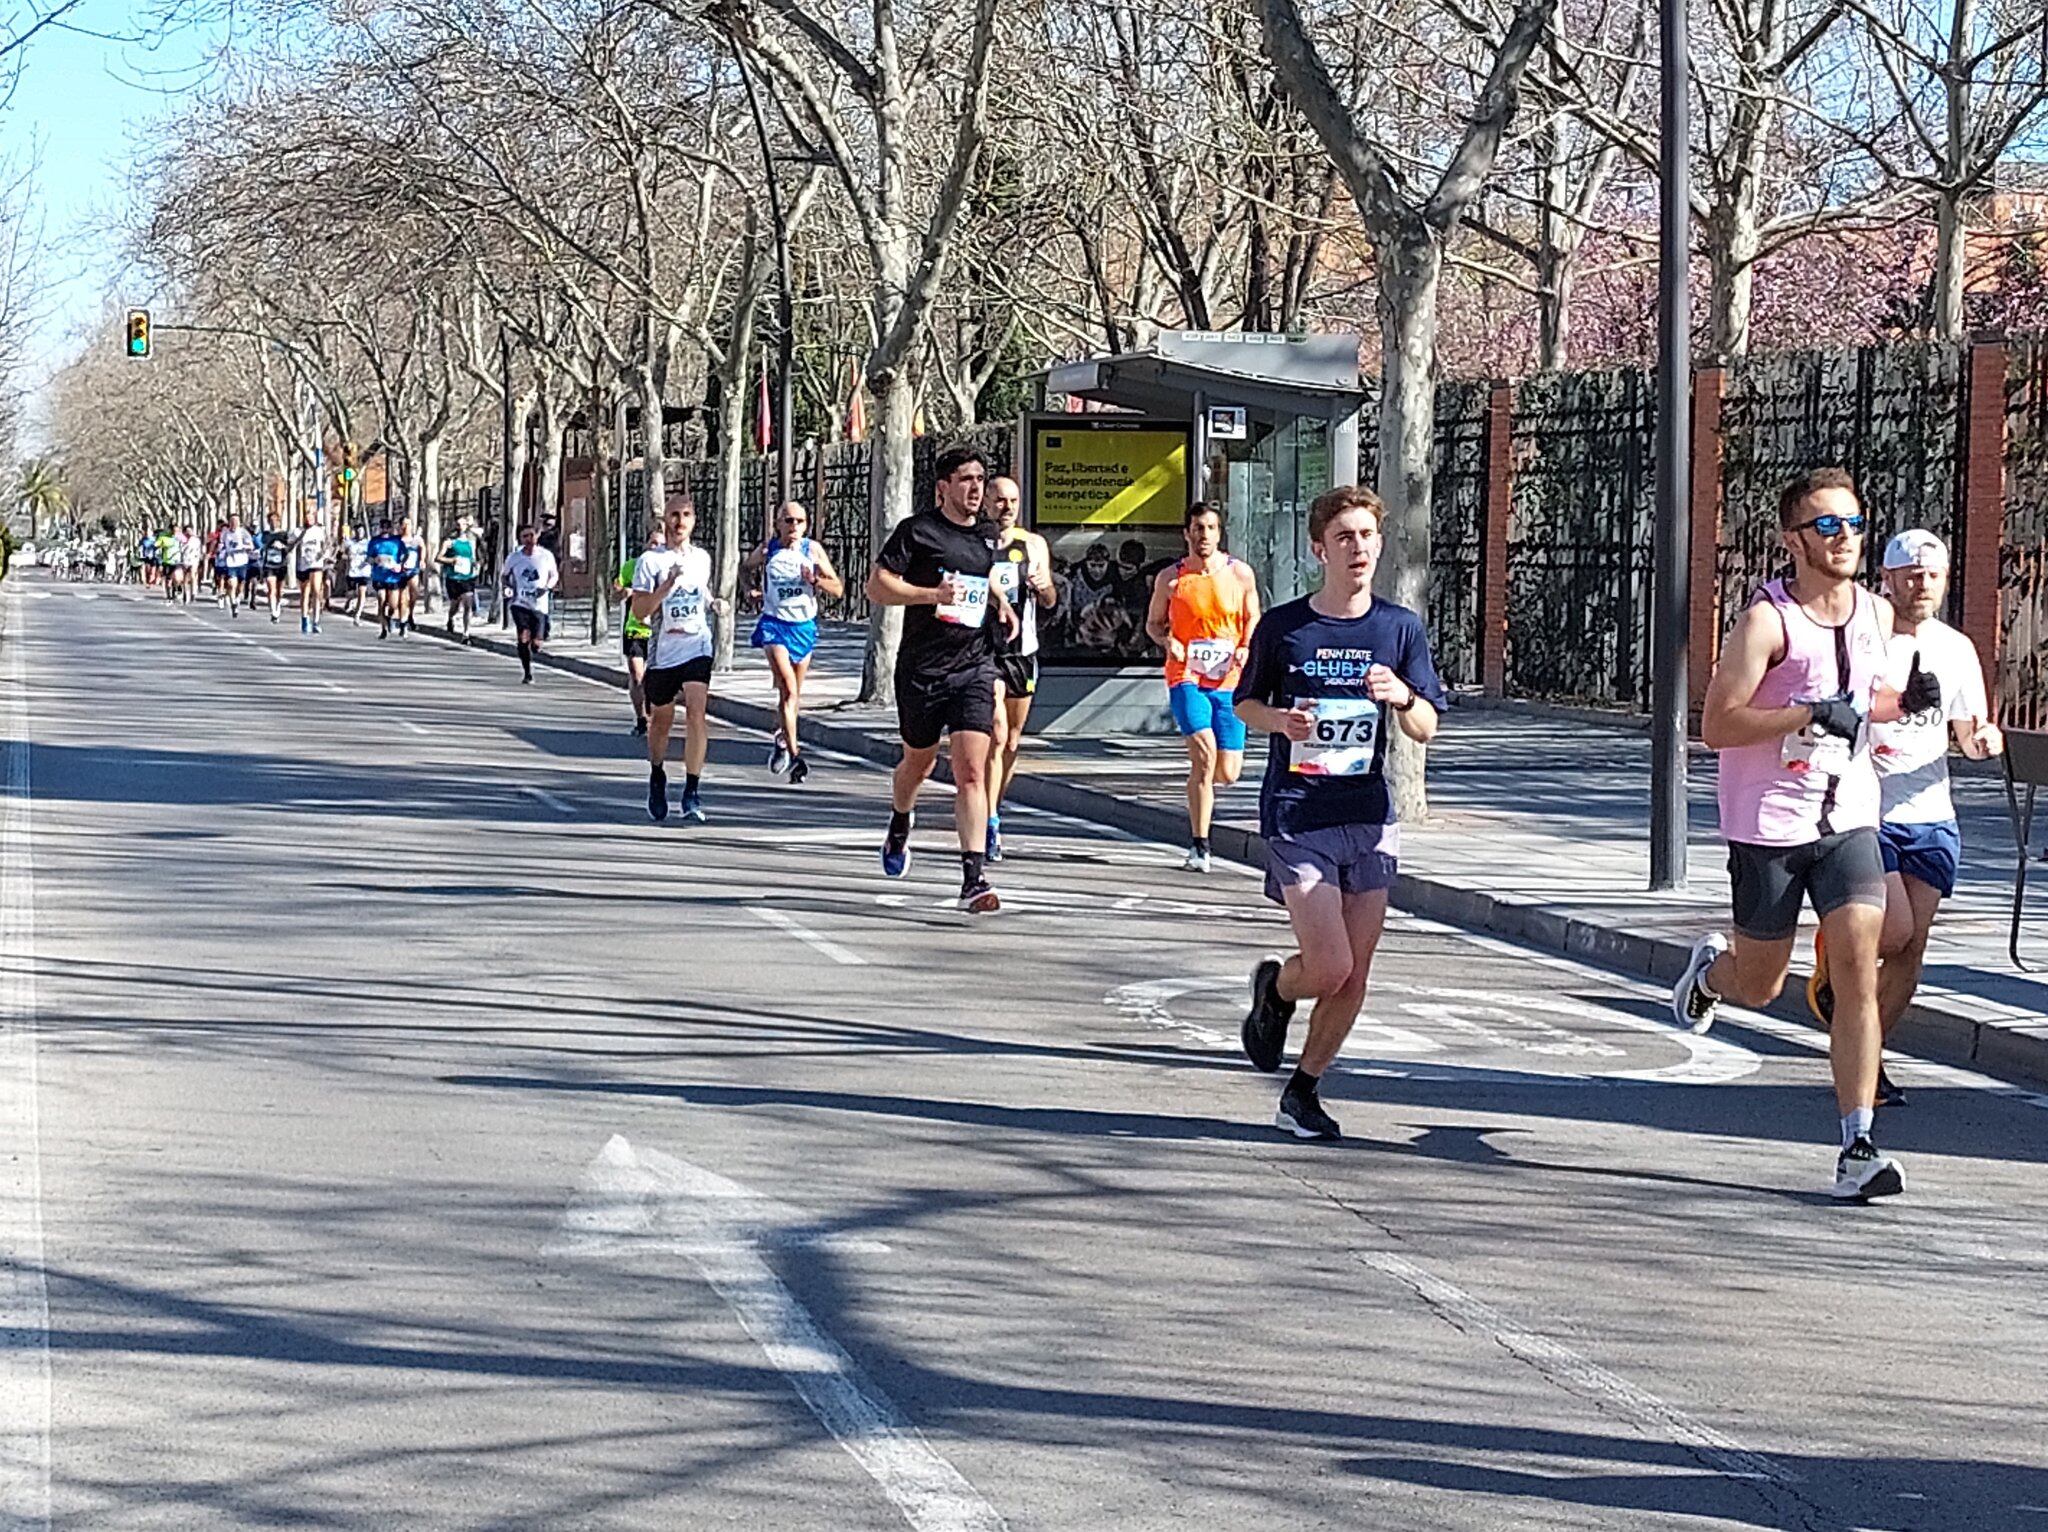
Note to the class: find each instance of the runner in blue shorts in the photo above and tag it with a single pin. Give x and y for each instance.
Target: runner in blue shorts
(794, 570)
(1203, 611)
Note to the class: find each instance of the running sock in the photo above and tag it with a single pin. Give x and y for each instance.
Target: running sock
(1857, 1125)
(1302, 1080)
(899, 824)
(690, 782)
(1202, 844)
(971, 863)
(656, 772)
(526, 661)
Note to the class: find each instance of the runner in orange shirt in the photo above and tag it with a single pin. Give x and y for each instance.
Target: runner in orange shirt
(1203, 611)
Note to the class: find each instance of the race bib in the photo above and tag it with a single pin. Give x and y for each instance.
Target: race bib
(782, 589)
(530, 594)
(1341, 745)
(1811, 750)
(1006, 577)
(683, 611)
(1211, 658)
(969, 607)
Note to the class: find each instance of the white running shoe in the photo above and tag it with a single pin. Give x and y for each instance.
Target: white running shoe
(1862, 1173)
(1691, 1006)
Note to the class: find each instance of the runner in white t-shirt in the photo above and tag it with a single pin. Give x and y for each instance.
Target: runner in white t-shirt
(1917, 833)
(672, 593)
(309, 552)
(530, 577)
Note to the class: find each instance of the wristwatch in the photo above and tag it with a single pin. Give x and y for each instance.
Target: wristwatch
(1414, 697)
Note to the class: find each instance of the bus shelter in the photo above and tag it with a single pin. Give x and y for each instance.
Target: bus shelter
(1256, 424)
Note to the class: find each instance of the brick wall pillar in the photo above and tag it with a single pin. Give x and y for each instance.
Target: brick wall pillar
(1982, 527)
(1703, 636)
(1493, 541)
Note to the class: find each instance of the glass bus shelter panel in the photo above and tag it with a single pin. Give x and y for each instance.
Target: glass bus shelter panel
(1266, 504)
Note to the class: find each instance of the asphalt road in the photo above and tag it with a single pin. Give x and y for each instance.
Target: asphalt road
(400, 1131)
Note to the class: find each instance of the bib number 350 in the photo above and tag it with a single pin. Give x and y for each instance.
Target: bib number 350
(1346, 730)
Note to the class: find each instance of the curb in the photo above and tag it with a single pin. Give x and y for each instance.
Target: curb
(1930, 1031)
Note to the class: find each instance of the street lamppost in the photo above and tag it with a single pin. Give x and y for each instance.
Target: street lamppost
(785, 344)
(1671, 598)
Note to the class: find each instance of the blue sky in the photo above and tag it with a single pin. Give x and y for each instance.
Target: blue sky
(82, 101)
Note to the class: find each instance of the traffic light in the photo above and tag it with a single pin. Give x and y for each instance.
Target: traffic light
(138, 332)
(348, 462)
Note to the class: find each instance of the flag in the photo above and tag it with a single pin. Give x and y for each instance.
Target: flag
(764, 430)
(856, 411)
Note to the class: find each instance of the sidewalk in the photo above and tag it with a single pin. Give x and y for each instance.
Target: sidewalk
(1538, 831)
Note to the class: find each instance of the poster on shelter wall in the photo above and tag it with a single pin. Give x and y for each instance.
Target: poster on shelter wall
(1108, 493)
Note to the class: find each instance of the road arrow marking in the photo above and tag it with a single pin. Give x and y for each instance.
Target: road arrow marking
(634, 1199)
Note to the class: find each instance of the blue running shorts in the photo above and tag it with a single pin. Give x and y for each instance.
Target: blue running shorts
(1196, 708)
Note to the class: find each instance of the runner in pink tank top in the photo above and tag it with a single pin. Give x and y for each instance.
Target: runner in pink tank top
(1798, 682)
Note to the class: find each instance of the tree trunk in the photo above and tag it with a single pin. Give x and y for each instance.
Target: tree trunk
(1732, 247)
(732, 461)
(891, 477)
(1410, 269)
(554, 432)
(1951, 251)
(654, 456)
(429, 515)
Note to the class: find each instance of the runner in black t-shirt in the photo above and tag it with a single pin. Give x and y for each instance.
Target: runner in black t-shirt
(936, 565)
(1328, 678)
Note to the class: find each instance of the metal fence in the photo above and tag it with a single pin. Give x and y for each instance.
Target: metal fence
(1890, 414)
(1578, 556)
(2022, 682)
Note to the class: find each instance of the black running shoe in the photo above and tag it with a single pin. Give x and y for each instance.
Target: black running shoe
(896, 853)
(1888, 1091)
(977, 898)
(657, 796)
(1265, 1029)
(640, 728)
(799, 768)
(693, 807)
(1862, 1173)
(1301, 1113)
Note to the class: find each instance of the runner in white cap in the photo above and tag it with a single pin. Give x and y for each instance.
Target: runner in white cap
(1917, 834)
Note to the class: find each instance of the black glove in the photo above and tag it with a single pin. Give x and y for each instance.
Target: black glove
(1837, 716)
(1922, 692)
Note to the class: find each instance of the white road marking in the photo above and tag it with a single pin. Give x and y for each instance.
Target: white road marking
(334, 686)
(280, 658)
(1575, 1374)
(24, 1299)
(810, 938)
(408, 725)
(722, 1227)
(1514, 1020)
(559, 805)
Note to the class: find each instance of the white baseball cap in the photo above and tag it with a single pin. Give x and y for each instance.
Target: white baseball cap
(1916, 548)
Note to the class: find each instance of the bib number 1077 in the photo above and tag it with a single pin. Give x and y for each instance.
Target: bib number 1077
(1341, 745)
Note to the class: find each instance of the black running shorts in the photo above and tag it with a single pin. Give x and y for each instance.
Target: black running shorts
(1018, 673)
(634, 645)
(664, 683)
(525, 621)
(1771, 882)
(962, 704)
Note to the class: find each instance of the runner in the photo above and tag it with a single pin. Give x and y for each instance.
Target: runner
(1023, 563)
(794, 572)
(634, 634)
(191, 556)
(358, 573)
(672, 592)
(1801, 674)
(1203, 612)
(170, 558)
(1917, 834)
(529, 576)
(273, 554)
(309, 552)
(457, 561)
(387, 578)
(1324, 677)
(412, 565)
(936, 564)
(214, 537)
(231, 574)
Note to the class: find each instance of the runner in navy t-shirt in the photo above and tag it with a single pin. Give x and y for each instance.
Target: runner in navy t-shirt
(1326, 677)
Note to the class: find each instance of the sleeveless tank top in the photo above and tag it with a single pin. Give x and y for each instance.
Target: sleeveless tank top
(1206, 614)
(1011, 575)
(785, 596)
(1785, 792)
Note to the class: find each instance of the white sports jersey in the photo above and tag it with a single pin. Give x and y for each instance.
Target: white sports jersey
(312, 546)
(533, 578)
(1911, 755)
(786, 595)
(359, 558)
(682, 625)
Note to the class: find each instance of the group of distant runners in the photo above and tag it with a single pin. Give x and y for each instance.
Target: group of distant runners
(1832, 708)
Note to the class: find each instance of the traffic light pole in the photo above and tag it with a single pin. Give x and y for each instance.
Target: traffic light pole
(1671, 594)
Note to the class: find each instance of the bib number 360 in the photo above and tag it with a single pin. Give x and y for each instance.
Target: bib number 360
(1346, 730)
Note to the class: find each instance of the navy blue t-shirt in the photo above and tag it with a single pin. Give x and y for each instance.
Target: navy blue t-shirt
(1298, 654)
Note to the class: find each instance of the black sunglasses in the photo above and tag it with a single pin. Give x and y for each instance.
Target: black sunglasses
(1833, 526)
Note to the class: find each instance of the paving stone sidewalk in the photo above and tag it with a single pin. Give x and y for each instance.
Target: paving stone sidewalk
(1538, 831)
